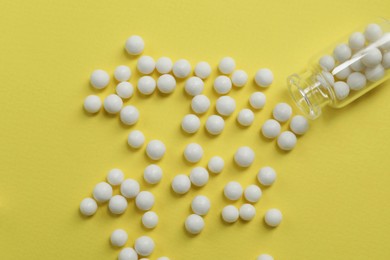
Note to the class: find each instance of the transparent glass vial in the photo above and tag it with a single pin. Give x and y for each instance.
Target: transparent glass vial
(361, 62)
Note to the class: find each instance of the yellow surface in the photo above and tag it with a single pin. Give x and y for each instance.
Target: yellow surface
(333, 188)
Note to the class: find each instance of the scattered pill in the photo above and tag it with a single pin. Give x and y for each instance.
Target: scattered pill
(125, 90)
(341, 90)
(375, 73)
(264, 77)
(194, 224)
(244, 156)
(225, 105)
(150, 219)
(166, 83)
(216, 164)
(239, 78)
(129, 115)
(373, 32)
(230, 214)
(181, 184)
(257, 100)
(215, 124)
(92, 104)
(372, 57)
(164, 65)
(342, 52)
(282, 112)
(146, 64)
(153, 174)
(99, 79)
(113, 104)
(118, 237)
(127, 253)
(356, 81)
(130, 188)
(266, 176)
(136, 139)
(88, 207)
(356, 41)
(144, 245)
(245, 117)
(144, 200)
(122, 73)
(222, 85)
(115, 177)
(327, 62)
(181, 68)
(252, 193)
(233, 190)
(155, 149)
(226, 65)
(102, 192)
(200, 104)
(200, 205)
(134, 45)
(264, 257)
(287, 140)
(299, 125)
(193, 152)
(146, 85)
(271, 128)
(190, 123)
(202, 70)
(199, 176)
(273, 217)
(343, 73)
(117, 204)
(386, 60)
(247, 212)
(194, 86)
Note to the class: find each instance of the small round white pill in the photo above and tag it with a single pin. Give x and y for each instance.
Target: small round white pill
(190, 123)
(102, 192)
(122, 73)
(344, 73)
(373, 32)
(247, 212)
(244, 156)
(117, 204)
(257, 100)
(299, 125)
(129, 115)
(356, 41)
(127, 253)
(181, 184)
(342, 52)
(113, 104)
(375, 73)
(327, 62)
(341, 90)
(273, 217)
(146, 64)
(92, 104)
(115, 177)
(166, 83)
(200, 104)
(271, 128)
(149, 219)
(200, 205)
(155, 149)
(226, 65)
(99, 79)
(144, 200)
(233, 190)
(264, 257)
(386, 60)
(266, 176)
(216, 164)
(125, 89)
(134, 45)
(372, 57)
(245, 117)
(88, 207)
(282, 112)
(264, 77)
(146, 85)
(136, 139)
(225, 105)
(356, 81)
(144, 245)
(130, 188)
(199, 176)
(202, 70)
(287, 140)
(181, 68)
(252, 193)
(194, 86)
(164, 65)
(119, 237)
(193, 152)
(385, 46)
(230, 214)
(239, 78)
(222, 84)
(215, 124)
(153, 174)
(194, 224)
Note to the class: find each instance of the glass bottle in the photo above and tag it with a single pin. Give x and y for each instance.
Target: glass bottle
(344, 72)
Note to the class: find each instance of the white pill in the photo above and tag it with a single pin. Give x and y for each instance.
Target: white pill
(230, 214)
(181, 68)
(247, 212)
(113, 104)
(144, 200)
(327, 62)
(190, 123)
(356, 81)
(245, 117)
(155, 149)
(99, 79)
(264, 257)
(373, 32)
(215, 124)
(144, 245)
(357, 65)
(252, 193)
(193, 152)
(375, 73)
(342, 52)
(200, 104)
(264, 77)
(117, 204)
(244, 156)
(129, 115)
(216, 164)
(122, 73)
(271, 128)
(199, 176)
(92, 104)
(226, 65)
(386, 60)
(287, 140)
(299, 125)
(257, 100)
(115, 177)
(146, 85)
(181, 184)
(146, 64)
(282, 112)
(130, 188)
(102, 192)
(372, 57)
(135, 45)
(194, 224)
(239, 78)
(344, 73)
(153, 174)
(194, 86)
(200, 205)
(119, 237)
(164, 65)
(341, 90)
(356, 41)
(127, 253)
(225, 105)
(222, 84)
(125, 90)
(166, 83)
(233, 190)
(88, 207)
(273, 217)
(202, 70)
(150, 219)
(135, 139)
(266, 176)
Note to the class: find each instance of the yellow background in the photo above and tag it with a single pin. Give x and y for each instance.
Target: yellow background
(333, 189)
